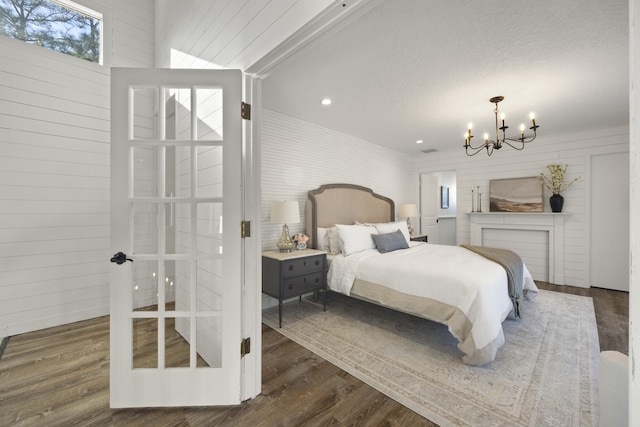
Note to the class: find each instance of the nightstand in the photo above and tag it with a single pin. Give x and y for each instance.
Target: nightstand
(291, 274)
(419, 238)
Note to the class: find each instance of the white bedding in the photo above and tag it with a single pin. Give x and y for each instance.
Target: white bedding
(450, 275)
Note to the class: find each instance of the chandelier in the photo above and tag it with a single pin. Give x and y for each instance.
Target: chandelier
(490, 145)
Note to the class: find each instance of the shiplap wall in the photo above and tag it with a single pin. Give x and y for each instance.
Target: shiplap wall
(575, 150)
(298, 156)
(54, 172)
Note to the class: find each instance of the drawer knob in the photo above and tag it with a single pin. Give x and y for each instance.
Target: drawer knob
(317, 262)
(290, 285)
(317, 279)
(290, 267)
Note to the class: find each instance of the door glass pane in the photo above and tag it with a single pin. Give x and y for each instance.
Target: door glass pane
(180, 292)
(209, 228)
(145, 343)
(177, 228)
(209, 340)
(209, 104)
(144, 287)
(209, 171)
(145, 171)
(169, 285)
(145, 229)
(178, 114)
(210, 285)
(144, 113)
(177, 171)
(181, 228)
(182, 174)
(177, 348)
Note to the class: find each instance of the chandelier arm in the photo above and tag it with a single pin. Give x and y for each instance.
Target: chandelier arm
(523, 140)
(506, 141)
(477, 150)
(483, 145)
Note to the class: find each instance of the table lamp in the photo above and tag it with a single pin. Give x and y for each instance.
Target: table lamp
(408, 211)
(284, 212)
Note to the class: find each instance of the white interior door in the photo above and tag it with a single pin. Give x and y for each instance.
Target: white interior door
(429, 207)
(176, 196)
(610, 221)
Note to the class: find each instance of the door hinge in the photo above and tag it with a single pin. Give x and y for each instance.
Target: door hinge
(246, 229)
(245, 111)
(245, 347)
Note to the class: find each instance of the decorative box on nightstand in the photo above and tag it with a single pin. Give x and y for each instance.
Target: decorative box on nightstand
(291, 274)
(419, 238)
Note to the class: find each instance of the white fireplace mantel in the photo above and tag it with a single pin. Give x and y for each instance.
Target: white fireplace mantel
(552, 223)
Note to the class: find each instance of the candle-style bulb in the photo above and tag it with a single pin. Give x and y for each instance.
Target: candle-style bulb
(502, 116)
(521, 127)
(470, 126)
(486, 136)
(532, 116)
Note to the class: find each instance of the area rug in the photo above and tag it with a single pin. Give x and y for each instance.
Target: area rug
(545, 375)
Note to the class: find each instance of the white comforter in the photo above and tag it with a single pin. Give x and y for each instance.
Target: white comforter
(448, 274)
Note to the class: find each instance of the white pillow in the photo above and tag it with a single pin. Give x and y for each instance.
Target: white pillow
(390, 227)
(356, 238)
(321, 232)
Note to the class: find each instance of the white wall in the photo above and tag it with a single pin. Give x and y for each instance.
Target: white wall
(298, 156)
(575, 150)
(54, 172)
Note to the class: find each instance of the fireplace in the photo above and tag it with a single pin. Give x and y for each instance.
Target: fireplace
(518, 231)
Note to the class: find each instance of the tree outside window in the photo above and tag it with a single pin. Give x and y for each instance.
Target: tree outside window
(55, 25)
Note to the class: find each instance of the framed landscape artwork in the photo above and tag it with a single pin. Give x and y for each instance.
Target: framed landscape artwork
(516, 195)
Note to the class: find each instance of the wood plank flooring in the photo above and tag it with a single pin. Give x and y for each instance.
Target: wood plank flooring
(60, 377)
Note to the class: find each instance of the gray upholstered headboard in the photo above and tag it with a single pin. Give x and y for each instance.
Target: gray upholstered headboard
(344, 204)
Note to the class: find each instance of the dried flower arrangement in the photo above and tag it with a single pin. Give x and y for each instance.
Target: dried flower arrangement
(301, 238)
(555, 180)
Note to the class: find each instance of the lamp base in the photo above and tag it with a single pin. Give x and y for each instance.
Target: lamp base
(409, 226)
(285, 244)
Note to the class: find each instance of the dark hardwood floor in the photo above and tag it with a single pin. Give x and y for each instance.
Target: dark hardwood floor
(60, 377)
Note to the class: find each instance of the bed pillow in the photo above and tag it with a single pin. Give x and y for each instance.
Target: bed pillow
(389, 242)
(356, 238)
(321, 233)
(332, 241)
(389, 227)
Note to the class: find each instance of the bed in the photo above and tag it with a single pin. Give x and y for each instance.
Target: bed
(447, 284)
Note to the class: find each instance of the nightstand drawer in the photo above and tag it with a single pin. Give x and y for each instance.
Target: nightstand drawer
(297, 285)
(298, 266)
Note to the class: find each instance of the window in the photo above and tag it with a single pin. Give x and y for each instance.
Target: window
(59, 25)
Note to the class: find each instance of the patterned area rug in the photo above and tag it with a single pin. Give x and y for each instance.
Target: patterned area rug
(545, 375)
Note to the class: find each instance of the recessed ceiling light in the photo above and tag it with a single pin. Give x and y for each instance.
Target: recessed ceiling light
(420, 141)
(326, 101)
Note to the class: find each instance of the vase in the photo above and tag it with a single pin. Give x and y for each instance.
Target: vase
(556, 201)
(301, 246)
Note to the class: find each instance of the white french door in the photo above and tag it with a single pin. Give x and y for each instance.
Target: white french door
(176, 203)
(429, 207)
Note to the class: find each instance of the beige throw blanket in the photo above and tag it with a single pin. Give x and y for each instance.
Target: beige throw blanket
(512, 264)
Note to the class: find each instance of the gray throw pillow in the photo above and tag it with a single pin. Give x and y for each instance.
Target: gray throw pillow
(389, 242)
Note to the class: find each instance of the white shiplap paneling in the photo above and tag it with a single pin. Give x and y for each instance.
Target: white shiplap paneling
(54, 172)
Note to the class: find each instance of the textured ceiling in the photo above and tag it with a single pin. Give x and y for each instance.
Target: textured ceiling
(422, 69)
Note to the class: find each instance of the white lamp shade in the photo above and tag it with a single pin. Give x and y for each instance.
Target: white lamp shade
(284, 212)
(408, 211)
